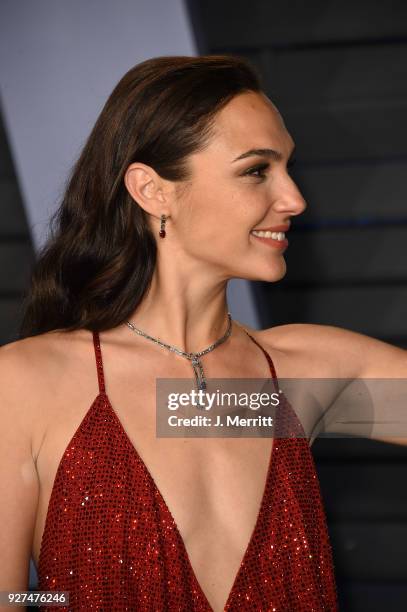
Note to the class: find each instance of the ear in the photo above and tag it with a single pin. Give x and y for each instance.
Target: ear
(147, 188)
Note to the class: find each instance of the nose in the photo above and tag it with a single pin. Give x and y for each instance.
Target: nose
(291, 201)
(299, 203)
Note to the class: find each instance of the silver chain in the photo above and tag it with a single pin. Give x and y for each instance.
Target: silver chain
(193, 357)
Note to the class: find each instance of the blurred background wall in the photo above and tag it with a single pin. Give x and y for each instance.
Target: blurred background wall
(337, 73)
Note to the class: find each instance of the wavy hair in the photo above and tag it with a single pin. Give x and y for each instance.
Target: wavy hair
(100, 254)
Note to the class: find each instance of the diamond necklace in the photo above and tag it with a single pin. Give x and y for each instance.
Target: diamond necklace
(193, 357)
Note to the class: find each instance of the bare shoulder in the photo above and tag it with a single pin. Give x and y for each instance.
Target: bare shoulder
(323, 350)
(37, 355)
(311, 336)
(332, 351)
(30, 369)
(295, 337)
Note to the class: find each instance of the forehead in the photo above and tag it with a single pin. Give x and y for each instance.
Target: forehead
(250, 120)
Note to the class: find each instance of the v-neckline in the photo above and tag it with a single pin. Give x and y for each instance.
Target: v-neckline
(167, 510)
(133, 450)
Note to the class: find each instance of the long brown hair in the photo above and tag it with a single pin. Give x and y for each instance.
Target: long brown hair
(100, 255)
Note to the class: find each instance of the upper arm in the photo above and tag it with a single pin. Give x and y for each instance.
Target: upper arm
(327, 350)
(367, 405)
(374, 403)
(19, 487)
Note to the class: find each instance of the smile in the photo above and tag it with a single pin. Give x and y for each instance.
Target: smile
(267, 234)
(275, 239)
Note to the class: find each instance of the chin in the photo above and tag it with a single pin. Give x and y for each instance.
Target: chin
(268, 276)
(275, 271)
(273, 277)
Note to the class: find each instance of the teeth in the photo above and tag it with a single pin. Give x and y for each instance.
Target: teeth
(275, 235)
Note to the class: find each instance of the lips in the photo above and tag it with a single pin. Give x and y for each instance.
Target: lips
(271, 242)
(273, 237)
(275, 228)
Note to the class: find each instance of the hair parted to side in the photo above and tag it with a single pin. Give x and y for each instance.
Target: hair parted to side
(99, 258)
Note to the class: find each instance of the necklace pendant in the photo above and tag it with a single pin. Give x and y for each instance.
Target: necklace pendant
(199, 374)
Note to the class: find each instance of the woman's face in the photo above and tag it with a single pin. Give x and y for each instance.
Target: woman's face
(228, 197)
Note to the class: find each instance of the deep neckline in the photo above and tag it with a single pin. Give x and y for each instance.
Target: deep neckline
(134, 452)
(270, 468)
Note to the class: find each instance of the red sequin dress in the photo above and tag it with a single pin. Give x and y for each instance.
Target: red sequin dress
(111, 541)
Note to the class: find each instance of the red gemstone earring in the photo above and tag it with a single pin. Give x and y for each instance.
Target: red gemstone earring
(162, 229)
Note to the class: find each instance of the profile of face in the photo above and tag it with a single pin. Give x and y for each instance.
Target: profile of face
(228, 198)
(230, 193)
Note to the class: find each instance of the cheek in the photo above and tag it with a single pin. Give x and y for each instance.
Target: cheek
(221, 216)
(249, 204)
(208, 211)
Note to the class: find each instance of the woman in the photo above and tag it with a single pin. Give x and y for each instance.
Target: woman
(187, 160)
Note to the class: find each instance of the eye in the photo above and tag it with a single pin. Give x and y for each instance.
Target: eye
(259, 168)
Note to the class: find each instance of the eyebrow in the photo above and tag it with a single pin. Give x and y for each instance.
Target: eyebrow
(272, 153)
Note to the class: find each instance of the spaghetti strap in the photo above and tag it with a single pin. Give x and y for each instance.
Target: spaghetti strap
(99, 362)
(269, 359)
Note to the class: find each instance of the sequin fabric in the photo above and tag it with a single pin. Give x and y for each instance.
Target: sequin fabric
(111, 541)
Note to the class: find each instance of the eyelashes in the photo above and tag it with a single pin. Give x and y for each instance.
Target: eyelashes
(258, 170)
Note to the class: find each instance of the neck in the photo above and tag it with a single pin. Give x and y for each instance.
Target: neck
(189, 316)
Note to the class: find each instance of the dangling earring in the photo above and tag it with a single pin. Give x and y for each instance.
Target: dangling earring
(162, 229)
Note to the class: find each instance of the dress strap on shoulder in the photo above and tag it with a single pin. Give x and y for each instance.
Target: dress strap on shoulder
(99, 362)
(269, 359)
